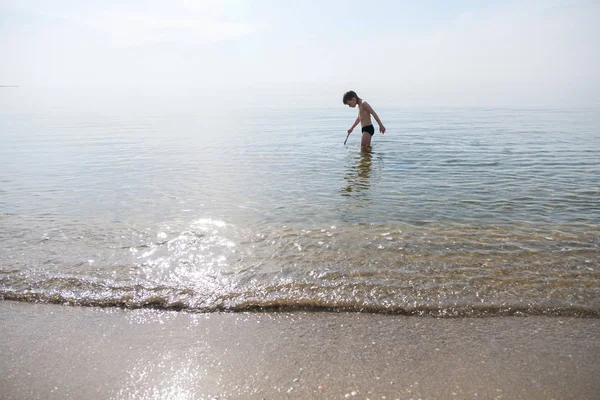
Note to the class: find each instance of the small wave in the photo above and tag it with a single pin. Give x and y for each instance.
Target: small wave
(465, 163)
(183, 304)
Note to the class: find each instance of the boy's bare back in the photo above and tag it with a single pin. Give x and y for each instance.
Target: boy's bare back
(364, 114)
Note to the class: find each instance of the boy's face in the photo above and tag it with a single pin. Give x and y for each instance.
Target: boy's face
(352, 102)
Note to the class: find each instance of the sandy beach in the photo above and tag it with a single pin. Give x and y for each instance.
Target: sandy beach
(61, 352)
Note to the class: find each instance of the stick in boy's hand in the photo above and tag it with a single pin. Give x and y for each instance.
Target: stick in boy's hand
(347, 138)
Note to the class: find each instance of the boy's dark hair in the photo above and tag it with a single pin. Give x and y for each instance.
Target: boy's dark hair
(349, 95)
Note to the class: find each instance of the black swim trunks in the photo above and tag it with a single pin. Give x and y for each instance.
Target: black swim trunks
(369, 129)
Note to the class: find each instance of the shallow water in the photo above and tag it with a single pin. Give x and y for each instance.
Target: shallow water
(453, 212)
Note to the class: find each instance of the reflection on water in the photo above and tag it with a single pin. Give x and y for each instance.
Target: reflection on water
(358, 175)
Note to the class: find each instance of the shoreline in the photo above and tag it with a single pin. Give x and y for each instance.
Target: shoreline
(59, 352)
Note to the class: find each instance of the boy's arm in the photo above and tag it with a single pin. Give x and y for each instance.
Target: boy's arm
(374, 114)
(354, 124)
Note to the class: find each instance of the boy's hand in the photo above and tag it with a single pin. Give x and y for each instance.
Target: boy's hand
(382, 129)
(350, 130)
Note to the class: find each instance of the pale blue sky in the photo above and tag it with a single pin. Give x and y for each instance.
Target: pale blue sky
(425, 52)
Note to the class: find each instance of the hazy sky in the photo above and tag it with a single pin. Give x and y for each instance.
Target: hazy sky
(421, 52)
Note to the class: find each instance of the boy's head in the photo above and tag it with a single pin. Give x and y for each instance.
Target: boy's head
(351, 98)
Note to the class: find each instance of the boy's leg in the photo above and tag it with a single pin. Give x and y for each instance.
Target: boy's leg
(365, 143)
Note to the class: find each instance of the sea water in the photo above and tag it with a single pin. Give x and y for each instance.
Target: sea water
(235, 206)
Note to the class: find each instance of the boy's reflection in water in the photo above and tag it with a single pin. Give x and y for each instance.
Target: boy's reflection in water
(358, 175)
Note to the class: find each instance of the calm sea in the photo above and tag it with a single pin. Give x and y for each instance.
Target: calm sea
(455, 211)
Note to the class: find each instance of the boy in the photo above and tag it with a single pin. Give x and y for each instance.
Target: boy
(365, 111)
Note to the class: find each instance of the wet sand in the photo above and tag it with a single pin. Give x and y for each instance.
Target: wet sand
(60, 352)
